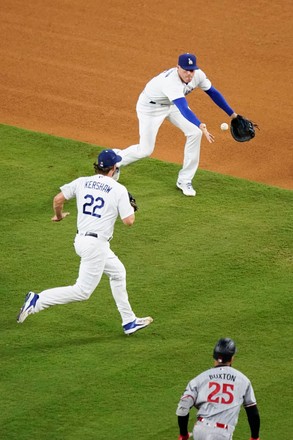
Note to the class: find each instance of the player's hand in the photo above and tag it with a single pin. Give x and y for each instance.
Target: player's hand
(208, 135)
(185, 437)
(58, 219)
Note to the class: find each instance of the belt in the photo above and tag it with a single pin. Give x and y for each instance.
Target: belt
(93, 234)
(153, 102)
(217, 425)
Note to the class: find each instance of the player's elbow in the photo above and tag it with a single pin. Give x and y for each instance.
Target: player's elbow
(128, 221)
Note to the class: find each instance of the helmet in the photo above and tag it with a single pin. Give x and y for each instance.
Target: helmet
(224, 349)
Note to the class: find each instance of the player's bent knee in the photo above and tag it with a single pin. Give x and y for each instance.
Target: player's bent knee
(120, 275)
(145, 150)
(196, 134)
(83, 293)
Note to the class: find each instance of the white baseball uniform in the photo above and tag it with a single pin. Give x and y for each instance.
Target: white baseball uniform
(154, 106)
(100, 200)
(218, 395)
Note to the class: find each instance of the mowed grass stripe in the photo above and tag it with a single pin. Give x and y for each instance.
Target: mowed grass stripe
(219, 264)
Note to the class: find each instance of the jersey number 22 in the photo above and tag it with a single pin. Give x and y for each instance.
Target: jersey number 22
(93, 205)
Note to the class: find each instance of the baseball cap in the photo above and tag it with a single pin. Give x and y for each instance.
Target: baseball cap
(187, 61)
(108, 158)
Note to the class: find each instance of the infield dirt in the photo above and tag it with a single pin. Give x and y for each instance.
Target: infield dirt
(75, 69)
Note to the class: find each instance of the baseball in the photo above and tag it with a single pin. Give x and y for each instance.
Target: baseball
(224, 126)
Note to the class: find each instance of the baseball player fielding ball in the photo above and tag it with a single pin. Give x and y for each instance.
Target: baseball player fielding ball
(224, 126)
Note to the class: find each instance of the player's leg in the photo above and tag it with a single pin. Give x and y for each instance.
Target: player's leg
(192, 146)
(93, 254)
(150, 119)
(116, 272)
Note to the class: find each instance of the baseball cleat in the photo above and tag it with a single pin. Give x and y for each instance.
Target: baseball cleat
(116, 174)
(186, 188)
(28, 306)
(137, 324)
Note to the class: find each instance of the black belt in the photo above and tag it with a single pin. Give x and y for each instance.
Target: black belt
(153, 102)
(93, 234)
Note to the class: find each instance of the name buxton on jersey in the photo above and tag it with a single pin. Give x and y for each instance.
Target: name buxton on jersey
(223, 376)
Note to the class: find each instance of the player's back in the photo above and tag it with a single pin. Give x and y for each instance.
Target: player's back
(220, 393)
(100, 199)
(158, 87)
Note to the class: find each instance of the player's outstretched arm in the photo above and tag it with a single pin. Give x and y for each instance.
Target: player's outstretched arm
(219, 99)
(207, 134)
(182, 106)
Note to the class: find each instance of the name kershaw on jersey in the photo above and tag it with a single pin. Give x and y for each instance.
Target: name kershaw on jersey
(98, 185)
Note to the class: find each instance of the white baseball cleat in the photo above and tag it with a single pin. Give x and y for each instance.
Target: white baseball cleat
(186, 188)
(137, 324)
(116, 174)
(28, 306)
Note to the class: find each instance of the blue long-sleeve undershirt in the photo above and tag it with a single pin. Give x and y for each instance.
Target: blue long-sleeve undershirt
(182, 106)
(219, 99)
(214, 94)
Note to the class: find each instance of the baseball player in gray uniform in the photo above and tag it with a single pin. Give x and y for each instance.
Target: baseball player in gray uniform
(100, 200)
(164, 98)
(218, 395)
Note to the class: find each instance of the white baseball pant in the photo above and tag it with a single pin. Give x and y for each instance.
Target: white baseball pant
(151, 117)
(96, 258)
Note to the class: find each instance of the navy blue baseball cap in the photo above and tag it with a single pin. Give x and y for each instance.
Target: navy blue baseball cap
(108, 158)
(187, 61)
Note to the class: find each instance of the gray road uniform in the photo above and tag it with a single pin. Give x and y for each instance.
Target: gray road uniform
(218, 395)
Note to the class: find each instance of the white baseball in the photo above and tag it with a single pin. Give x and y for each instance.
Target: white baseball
(224, 126)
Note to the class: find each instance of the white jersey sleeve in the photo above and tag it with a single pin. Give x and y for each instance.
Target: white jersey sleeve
(249, 397)
(100, 200)
(200, 80)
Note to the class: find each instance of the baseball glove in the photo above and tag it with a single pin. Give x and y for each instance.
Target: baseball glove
(242, 129)
(132, 202)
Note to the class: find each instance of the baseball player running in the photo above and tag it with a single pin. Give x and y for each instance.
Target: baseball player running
(164, 98)
(100, 199)
(218, 394)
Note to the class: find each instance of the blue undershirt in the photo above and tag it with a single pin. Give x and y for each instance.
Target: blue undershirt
(214, 94)
(219, 99)
(182, 106)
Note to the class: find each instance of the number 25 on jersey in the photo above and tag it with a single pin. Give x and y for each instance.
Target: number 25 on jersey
(221, 393)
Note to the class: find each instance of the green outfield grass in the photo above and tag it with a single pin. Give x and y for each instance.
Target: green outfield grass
(219, 264)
